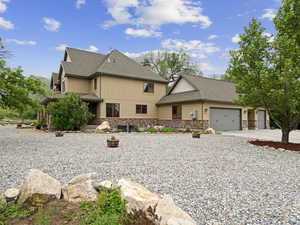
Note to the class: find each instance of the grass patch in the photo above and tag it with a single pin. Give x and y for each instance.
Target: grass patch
(151, 130)
(13, 211)
(43, 217)
(168, 130)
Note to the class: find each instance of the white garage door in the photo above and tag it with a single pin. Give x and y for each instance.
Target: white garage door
(225, 119)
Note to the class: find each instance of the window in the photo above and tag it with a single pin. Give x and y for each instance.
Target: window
(95, 83)
(112, 110)
(176, 112)
(63, 86)
(141, 109)
(149, 87)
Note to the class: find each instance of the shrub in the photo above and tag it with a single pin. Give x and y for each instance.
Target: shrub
(40, 124)
(69, 113)
(169, 130)
(151, 130)
(139, 217)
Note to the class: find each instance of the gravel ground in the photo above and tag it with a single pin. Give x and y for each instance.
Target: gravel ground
(269, 135)
(216, 179)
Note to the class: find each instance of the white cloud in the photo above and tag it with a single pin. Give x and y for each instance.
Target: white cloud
(5, 24)
(20, 42)
(79, 3)
(213, 36)
(51, 24)
(154, 13)
(61, 47)
(269, 36)
(3, 6)
(269, 14)
(92, 48)
(206, 67)
(195, 48)
(142, 33)
(236, 38)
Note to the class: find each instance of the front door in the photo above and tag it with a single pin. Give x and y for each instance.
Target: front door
(93, 110)
(176, 112)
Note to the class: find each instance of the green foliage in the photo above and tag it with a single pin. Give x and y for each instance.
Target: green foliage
(168, 130)
(108, 210)
(13, 211)
(151, 130)
(69, 113)
(43, 217)
(139, 217)
(17, 89)
(40, 124)
(267, 70)
(171, 64)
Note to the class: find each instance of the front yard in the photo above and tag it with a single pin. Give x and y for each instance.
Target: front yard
(216, 179)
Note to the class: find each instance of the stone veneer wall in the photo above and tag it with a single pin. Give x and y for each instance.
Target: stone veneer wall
(196, 124)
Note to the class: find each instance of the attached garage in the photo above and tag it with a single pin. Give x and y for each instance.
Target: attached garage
(222, 119)
(261, 118)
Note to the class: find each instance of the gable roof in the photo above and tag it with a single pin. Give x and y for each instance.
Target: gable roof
(54, 80)
(86, 64)
(206, 89)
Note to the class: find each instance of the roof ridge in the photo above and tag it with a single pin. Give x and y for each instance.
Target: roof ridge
(103, 62)
(81, 50)
(208, 78)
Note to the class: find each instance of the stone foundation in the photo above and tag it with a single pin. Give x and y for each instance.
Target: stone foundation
(195, 124)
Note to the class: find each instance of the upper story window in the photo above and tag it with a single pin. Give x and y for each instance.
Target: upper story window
(95, 83)
(141, 109)
(112, 110)
(149, 87)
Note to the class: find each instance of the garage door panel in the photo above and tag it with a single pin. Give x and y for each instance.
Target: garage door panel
(225, 119)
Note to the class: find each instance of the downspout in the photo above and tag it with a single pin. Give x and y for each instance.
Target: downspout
(202, 116)
(100, 96)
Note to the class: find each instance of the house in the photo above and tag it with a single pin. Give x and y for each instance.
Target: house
(117, 88)
(126, 93)
(205, 102)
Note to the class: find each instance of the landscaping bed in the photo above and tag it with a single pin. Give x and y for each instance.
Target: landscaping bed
(277, 145)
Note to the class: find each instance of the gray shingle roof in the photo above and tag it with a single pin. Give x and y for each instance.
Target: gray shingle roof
(84, 97)
(85, 64)
(54, 80)
(206, 89)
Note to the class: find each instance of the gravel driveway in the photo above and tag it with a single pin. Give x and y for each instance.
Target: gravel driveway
(216, 179)
(269, 135)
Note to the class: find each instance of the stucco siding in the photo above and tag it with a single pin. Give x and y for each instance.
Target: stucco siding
(78, 85)
(128, 93)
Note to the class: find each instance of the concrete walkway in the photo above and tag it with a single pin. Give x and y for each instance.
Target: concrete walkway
(270, 135)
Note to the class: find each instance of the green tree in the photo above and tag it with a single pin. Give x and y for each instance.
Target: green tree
(69, 113)
(170, 65)
(17, 89)
(267, 72)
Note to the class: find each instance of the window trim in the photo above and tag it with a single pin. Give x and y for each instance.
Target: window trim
(148, 82)
(141, 109)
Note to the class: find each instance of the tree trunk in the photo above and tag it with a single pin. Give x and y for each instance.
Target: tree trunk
(285, 135)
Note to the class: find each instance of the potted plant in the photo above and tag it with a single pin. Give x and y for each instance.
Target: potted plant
(59, 133)
(196, 134)
(112, 142)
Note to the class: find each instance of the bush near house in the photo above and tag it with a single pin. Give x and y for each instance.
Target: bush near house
(69, 113)
(169, 130)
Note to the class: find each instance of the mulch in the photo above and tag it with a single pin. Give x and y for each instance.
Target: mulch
(277, 145)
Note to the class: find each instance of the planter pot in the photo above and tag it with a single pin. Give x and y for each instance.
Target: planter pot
(59, 133)
(197, 135)
(113, 143)
(19, 125)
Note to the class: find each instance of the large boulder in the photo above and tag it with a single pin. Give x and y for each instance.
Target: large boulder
(12, 194)
(210, 131)
(102, 185)
(103, 128)
(80, 189)
(39, 187)
(138, 197)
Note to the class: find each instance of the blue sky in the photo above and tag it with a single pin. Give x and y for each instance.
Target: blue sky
(36, 31)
